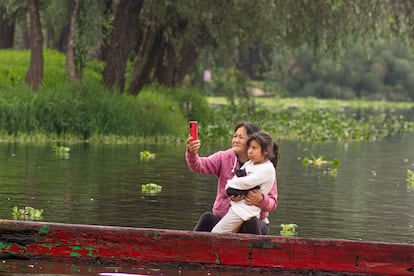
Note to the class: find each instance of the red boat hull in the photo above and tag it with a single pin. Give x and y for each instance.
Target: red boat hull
(123, 245)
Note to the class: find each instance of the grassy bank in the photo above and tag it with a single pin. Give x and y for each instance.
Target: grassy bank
(314, 103)
(61, 111)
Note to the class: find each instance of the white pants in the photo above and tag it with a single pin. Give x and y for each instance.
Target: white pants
(230, 223)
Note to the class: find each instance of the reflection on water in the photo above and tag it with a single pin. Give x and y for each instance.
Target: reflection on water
(101, 184)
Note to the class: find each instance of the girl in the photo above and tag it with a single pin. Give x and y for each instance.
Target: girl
(260, 172)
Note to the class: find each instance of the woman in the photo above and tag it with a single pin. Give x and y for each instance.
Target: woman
(225, 164)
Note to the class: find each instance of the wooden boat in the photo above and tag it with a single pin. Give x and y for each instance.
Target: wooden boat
(91, 244)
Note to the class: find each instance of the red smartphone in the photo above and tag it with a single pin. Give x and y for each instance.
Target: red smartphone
(194, 130)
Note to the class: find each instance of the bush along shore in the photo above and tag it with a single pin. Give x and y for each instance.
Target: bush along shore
(87, 112)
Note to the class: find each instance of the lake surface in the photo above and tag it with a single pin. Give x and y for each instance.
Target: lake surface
(369, 199)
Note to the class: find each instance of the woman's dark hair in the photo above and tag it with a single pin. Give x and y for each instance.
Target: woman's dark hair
(267, 144)
(250, 127)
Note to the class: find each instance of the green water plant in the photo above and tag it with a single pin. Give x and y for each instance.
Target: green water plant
(151, 188)
(320, 161)
(60, 149)
(288, 229)
(410, 179)
(146, 155)
(331, 172)
(27, 213)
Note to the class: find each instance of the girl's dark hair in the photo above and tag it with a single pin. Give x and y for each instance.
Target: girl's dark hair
(267, 144)
(250, 127)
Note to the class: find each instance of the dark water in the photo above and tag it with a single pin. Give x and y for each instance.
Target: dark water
(369, 199)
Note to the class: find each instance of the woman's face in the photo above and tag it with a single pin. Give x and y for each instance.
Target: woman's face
(239, 141)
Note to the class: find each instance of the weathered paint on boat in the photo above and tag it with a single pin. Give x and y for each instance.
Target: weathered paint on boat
(139, 246)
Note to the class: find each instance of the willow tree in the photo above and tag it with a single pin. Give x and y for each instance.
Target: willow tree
(171, 34)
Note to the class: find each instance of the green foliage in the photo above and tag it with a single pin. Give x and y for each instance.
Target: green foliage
(383, 71)
(410, 180)
(288, 229)
(146, 155)
(157, 114)
(85, 111)
(61, 151)
(151, 188)
(308, 122)
(193, 104)
(27, 213)
(320, 161)
(54, 70)
(61, 110)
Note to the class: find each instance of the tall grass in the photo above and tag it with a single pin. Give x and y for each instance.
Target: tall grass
(62, 110)
(88, 112)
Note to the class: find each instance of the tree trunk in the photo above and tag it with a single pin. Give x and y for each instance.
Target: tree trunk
(34, 74)
(165, 71)
(25, 33)
(189, 56)
(62, 43)
(122, 37)
(6, 30)
(178, 65)
(70, 50)
(142, 72)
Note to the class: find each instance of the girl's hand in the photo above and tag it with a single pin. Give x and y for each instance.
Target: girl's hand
(193, 145)
(254, 197)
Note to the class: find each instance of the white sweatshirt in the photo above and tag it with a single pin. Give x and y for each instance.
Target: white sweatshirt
(263, 175)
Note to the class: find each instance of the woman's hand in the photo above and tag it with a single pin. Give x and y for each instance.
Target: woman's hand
(254, 197)
(193, 145)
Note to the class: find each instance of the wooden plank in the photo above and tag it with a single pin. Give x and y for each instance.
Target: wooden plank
(120, 245)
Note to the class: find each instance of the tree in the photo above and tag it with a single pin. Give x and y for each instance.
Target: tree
(124, 34)
(163, 40)
(70, 51)
(34, 74)
(7, 24)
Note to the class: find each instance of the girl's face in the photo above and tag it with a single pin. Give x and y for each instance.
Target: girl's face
(239, 141)
(254, 152)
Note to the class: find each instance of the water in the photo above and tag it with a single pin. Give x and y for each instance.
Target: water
(369, 199)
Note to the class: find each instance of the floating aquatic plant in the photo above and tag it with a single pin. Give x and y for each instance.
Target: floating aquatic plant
(320, 161)
(151, 188)
(61, 151)
(332, 172)
(146, 155)
(27, 213)
(410, 180)
(288, 229)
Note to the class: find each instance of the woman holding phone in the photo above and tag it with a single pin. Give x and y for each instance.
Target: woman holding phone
(225, 164)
